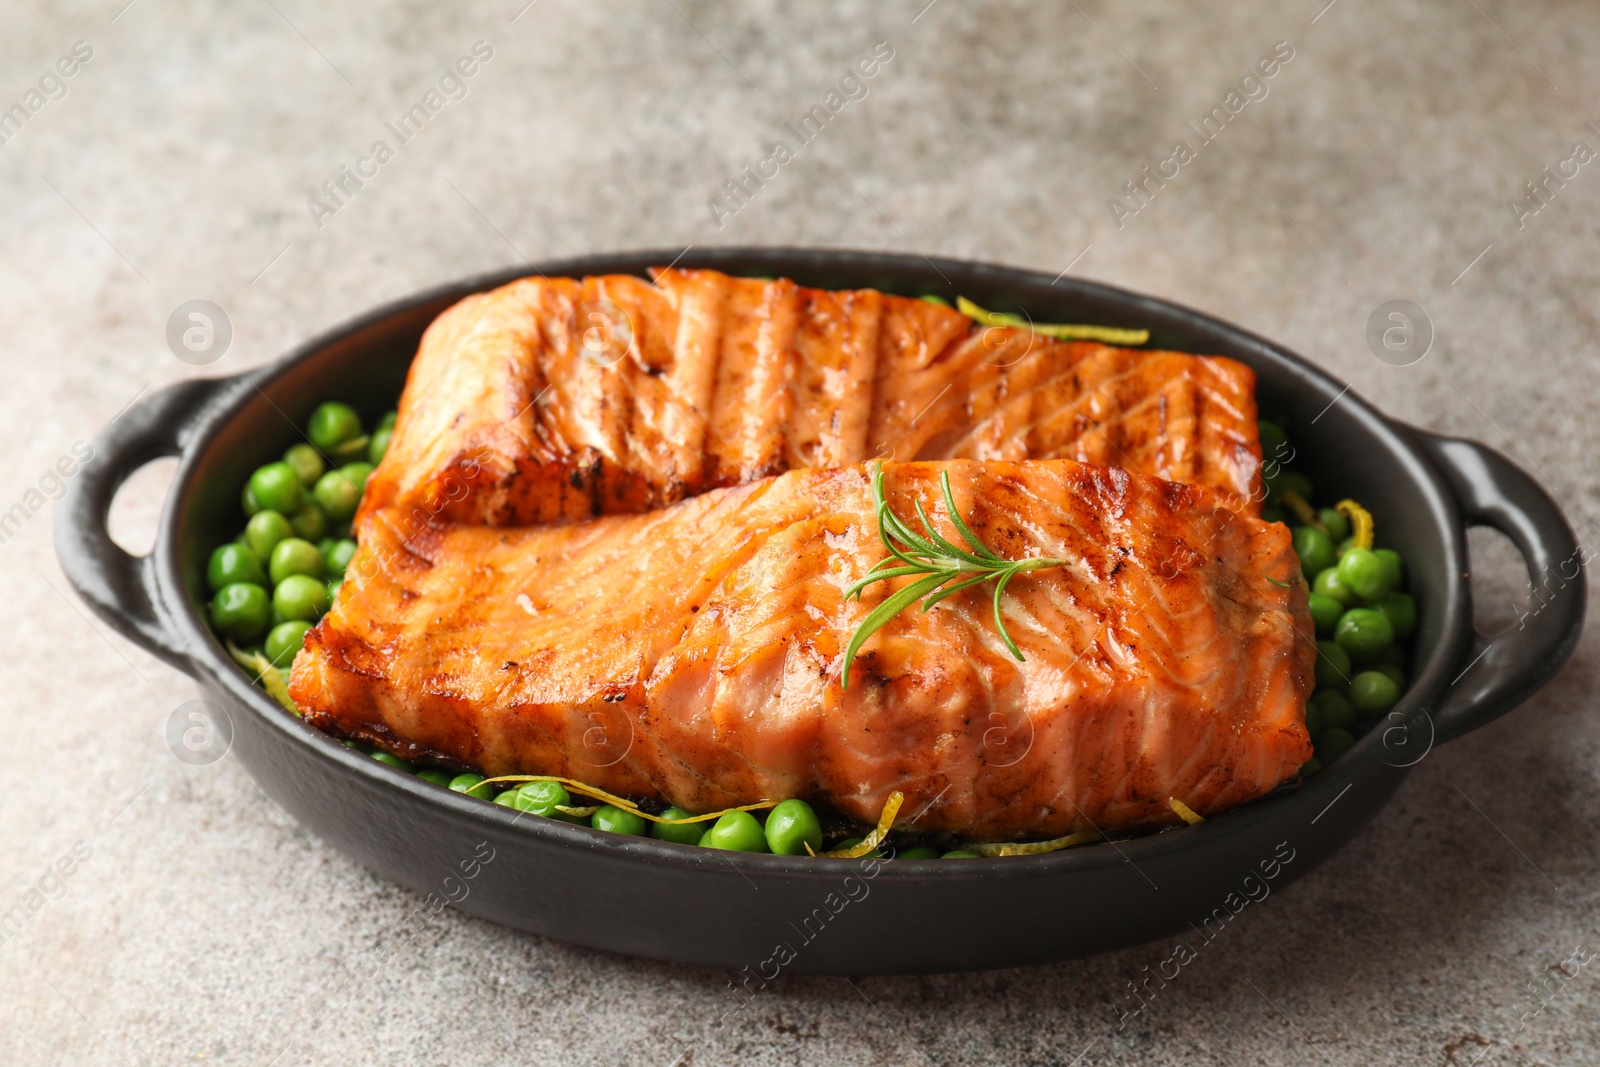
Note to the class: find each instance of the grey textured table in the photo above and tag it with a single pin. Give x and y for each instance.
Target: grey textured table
(1382, 161)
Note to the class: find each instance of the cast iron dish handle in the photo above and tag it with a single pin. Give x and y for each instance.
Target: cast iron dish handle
(121, 587)
(1500, 672)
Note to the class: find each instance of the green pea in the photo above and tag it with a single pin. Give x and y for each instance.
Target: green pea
(472, 785)
(393, 761)
(737, 831)
(1401, 611)
(1396, 563)
(436, 776)
(1333, 743)
(1274, 441)
(1346, 545)
(379, 445)
(540, 798)
(388, 420)
(1310, 767)
(336, 557)
(1287, 481)
(1332, 710)
(513, 798)
(962, 854)
(263, 532)
(1368, 573)
(309, 522)
(248, 501)
(1364, 634)
(1325, 612)
(917, 852)
(276, 487)
(1394, 673)
(355, 448)
(337, 495)
(285, 640)
(791, 826)
(683, 833)
(931, 298)
(1373, 692)
(615, 820)
(300, 596)
(1329, 584)
(357, 473)
(1334, 519)
(332, 425)
(1333, 665)
(1315, 550)
(1314, 723)
(306, 461)
(231, 563)
(333, 591)
(241, 610)
(294, 556)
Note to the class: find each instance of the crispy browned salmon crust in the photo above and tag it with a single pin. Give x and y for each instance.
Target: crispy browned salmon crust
(559, 399)
(693, 653)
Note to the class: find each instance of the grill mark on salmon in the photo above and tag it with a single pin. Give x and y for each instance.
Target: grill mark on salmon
(692, 653)
(555, 399)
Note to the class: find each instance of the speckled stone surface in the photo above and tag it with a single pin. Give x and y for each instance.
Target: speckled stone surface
(1380, 164)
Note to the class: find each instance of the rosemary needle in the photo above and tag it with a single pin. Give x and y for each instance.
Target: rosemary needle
(944, 569)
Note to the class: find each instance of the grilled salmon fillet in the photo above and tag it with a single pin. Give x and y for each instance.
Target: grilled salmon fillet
(693, 653)
(560, 399)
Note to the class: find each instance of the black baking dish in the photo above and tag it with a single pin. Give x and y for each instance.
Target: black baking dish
(671, 902)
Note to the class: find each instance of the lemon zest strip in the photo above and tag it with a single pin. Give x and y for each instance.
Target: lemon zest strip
(891, 808)
(1111, 335)
(622, 802)
(1034, 848)
(1185, 812)
(1360, 522)
(1302, 509)
(270, 677)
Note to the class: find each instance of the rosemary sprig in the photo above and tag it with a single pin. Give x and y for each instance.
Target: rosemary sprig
(944, 568)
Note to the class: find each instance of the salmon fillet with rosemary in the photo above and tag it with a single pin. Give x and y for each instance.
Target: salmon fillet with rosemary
(693, 653)
(559, 399)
